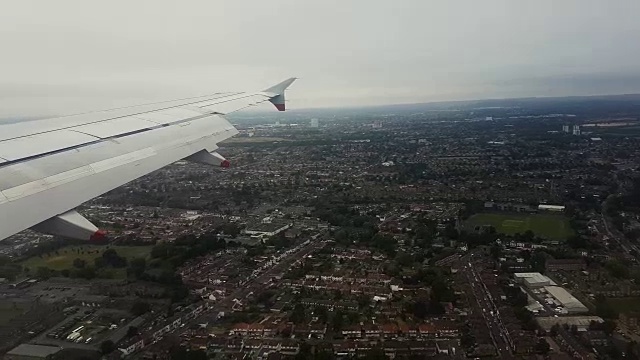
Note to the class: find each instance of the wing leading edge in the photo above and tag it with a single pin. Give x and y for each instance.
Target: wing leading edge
(49, 167)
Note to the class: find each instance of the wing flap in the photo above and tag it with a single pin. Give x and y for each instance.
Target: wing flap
(33, 145)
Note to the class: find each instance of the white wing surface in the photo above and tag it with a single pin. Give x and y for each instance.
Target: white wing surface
(49, 167)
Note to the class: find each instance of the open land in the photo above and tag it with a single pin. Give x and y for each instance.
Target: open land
(64, 257)
(554, 227)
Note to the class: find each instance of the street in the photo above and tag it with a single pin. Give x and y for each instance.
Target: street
(490, 313)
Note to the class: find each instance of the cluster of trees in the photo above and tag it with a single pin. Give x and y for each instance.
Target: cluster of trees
(342, 215)
(279, 241)
(303, 268)
(424, 308)
(188, 247)
(617, 269)
(515, 296)
(337, 320)
(526, 318)
(604, 308)
(9, 269)
(368, 237)
(182, 353)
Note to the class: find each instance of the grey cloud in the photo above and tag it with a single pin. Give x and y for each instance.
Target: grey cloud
(73, 55)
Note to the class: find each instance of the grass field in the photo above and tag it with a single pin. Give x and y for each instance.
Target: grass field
(625, 305)
(554, 227)
(65, 256)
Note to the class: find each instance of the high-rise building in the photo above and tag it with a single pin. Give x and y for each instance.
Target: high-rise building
(565, 128)
(576, 129)
(314, 123)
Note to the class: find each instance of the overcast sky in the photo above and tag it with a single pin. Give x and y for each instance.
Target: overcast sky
(66, 56)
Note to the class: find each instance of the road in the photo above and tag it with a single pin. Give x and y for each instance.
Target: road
(490, 313)
(257, 283)
(615, 235)
(251, 286)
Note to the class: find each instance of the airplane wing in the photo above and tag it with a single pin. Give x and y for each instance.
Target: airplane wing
(49, 167)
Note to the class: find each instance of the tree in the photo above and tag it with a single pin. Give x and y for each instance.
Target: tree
(496, 251)
(542, 347)
(298, 314)
(420, 309)
(554, 330)
(404, 259)
(574, 329)
(140, 308)
(182, 353)
(112, 258)
(231, 229)
(604, 308)
(321, 313)
(617, 269)
(99, 263)
(43, 272)
(304, 353)
(323, 354)
(79, 263)
(538, 260)
(375, 354)
(107, 347)
(364, 301)
(609, 326)
(137, 267)
(132, 331)
(338, 320)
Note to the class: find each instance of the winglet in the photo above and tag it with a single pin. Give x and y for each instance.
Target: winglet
(276, 93)
(279, 88)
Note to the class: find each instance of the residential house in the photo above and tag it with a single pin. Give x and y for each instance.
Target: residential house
(352, 332)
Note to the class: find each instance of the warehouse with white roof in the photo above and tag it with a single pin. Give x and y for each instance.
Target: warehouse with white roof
(564, 299)
(533, 280)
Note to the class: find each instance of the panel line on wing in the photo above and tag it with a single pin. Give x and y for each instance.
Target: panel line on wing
(126, 115)
(99, 140)
(36, 186)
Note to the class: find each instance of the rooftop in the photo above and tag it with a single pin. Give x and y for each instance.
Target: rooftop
(533, 277)
(35, 351)
(566, 299)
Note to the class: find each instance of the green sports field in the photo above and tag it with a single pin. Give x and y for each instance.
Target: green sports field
(63, 258)
(553, 227)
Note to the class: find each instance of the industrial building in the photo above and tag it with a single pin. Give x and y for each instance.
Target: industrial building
(33, 352)
(551, 208)
(565, 264)
(267, 229)
(533, 280)
(560, 299)
(547, 292)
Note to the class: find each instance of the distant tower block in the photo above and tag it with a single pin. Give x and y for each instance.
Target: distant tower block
(377, 124)
(565, 128)
(314, 123)
(576, 129)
